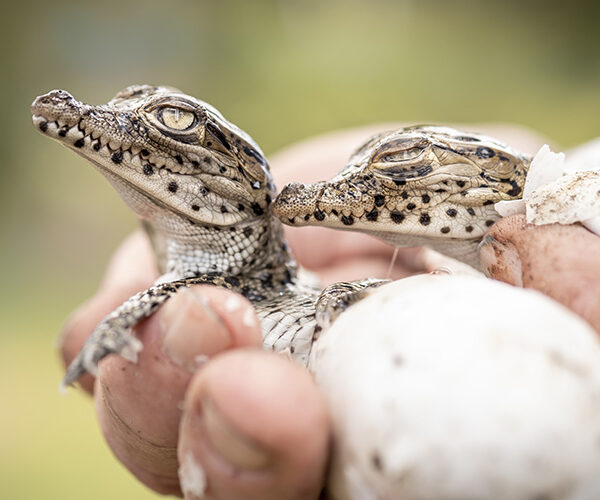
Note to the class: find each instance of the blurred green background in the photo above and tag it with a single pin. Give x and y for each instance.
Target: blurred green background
(282, 70)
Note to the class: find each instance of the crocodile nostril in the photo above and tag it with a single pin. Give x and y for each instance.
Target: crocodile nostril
(292, 188)
(53, 98)
(59, 95)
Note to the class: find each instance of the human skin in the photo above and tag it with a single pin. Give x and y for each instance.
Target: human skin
(202, 387)
(561, 261)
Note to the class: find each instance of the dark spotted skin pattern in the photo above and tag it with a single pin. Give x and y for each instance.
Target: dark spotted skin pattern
(422, 185)
(203, 190)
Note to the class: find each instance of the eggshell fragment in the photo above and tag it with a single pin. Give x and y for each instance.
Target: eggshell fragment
(545, 167)
(510, 207)
(574, 197)
(455, 387)
(561, 189)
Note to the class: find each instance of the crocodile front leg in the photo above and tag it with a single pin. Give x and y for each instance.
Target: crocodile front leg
(336, 298)
(113, 334)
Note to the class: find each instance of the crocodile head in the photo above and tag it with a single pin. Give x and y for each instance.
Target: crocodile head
(420, 185)
(162, 149)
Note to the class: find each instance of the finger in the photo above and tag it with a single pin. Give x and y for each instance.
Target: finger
(131, 269)
(319, 248)
(359, 268)
(139, 405)
(254, 427)
(560, 261)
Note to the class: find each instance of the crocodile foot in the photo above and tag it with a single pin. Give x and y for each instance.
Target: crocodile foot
(338, 297)
(113, 334)
(105, 340)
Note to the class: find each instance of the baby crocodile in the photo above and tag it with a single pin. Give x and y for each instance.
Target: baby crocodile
(203, 190)
(423, 185)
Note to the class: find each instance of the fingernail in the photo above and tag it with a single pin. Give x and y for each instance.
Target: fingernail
(191, 330)
(487, 240)
(238, 450)
(500, 260)
(192, 477)
(487, 254)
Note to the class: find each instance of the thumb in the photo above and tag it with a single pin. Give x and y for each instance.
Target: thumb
(560, 261)
(254, 426)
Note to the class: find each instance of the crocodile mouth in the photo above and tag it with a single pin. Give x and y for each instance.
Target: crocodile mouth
(131, 166)
(103, 134)
(319, 204)
(77, 138)
(60, 116)
(396, 219)
(81, 139)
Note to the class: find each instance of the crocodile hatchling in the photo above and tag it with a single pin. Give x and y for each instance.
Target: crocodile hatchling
(203, 191)
(424, 185)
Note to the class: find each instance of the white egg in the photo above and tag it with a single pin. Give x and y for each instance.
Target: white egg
(455, 387)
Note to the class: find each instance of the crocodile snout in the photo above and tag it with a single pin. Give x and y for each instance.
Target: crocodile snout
(58, 105)
(297, 199)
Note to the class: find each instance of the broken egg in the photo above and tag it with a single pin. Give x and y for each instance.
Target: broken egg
(561, 188)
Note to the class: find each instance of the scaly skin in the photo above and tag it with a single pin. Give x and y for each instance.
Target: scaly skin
(424, 185)
(203, 190)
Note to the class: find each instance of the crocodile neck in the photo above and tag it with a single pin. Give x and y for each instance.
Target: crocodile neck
(246, 248)
(418, 186)
(200, 185)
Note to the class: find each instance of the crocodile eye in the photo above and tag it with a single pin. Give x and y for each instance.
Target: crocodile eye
(177, 119)
(400, 155)
(399, 161)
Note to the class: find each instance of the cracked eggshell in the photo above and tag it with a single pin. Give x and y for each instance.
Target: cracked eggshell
(561, 189)
(545, 167)
(574, 197)
(454, 387)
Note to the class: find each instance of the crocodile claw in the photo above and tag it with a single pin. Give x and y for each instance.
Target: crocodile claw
(104, 340)
(338, 297)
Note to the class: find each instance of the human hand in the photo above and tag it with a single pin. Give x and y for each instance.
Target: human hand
(155, 414)
(250, 420)
(158, 413)
(562, 262)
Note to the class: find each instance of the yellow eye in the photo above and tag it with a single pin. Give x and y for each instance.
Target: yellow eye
(175, 118)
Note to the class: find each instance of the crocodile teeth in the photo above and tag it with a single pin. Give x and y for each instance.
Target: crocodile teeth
(136, 160)
(358, 212)
(74, 134)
